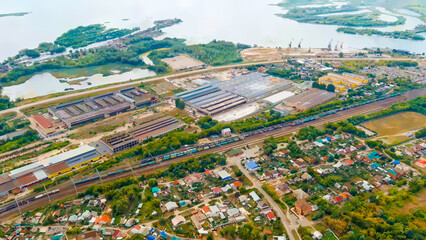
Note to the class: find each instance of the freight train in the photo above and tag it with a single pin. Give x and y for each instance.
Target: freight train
(149, 161)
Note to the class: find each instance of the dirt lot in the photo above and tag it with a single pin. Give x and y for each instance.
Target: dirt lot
(394, 128)
(270, 54)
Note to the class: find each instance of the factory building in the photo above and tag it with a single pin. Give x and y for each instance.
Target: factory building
(71, 160)
(37, 172)
(155, 128)
(309, 99)
(211, 100)
(101, 106)
(343, 82)
(254, 85)
(119, 142)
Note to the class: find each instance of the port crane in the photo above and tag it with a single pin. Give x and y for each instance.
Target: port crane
(329, 44)
(300, 43)
(335, 47)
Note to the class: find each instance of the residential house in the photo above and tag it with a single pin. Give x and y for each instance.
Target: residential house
(302, 207)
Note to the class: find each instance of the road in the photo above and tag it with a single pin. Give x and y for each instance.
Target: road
(175, 75)
(271, 201)
(68, 190)
(132, 83)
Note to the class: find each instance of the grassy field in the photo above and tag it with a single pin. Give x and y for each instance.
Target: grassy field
(393, 129)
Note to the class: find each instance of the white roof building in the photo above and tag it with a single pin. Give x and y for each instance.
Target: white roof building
(254, 196)
(224, 175)
(171, 206)
(278, 97)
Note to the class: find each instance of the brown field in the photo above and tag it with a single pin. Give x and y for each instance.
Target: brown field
(393, 129)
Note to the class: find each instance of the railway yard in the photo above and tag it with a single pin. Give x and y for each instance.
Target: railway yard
(155, 138)
(151, 165)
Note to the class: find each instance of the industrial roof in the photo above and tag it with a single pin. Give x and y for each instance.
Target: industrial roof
(56, 168)
(44, 122)
(4, 178)
(40, 174)
(252, 165)
(27, 179)
(23, 169)
(72, 153)
(278, 97)
(310, 98)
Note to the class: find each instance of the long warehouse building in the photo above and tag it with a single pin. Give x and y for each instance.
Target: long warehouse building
(211, 100)
(37, 172)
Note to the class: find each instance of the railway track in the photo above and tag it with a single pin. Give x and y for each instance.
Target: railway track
(71, 189)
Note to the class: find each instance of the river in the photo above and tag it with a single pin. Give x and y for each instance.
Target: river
(45, 83)
(244, 21)
(241, 21)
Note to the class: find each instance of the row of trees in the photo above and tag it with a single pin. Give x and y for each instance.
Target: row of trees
(329, 87)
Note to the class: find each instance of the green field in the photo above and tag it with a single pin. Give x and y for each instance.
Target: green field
(393, 129)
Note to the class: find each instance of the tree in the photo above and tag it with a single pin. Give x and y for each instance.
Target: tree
(330, 88)
(180, 104)
(315, 85)
(421, 133)
(152, 182)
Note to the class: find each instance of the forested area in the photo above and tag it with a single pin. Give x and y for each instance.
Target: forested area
(93, 57)
(5, 103)
(407, 34)
(85, 35)
(20, 141)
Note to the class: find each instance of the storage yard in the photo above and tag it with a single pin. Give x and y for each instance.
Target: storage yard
(183, 62)
(101, 106)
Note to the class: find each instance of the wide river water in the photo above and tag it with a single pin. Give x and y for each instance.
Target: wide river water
(244, 21)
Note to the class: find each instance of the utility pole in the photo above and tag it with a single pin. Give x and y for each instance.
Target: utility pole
(17, 204)
(99, 175)
(133, 172)
(47, 193)
(76, 192)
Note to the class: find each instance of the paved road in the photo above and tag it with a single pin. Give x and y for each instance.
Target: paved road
(176, 75)
(134, 83)
(271, 201)
(68, 190)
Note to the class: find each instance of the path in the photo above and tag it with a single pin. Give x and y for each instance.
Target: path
(258, 185)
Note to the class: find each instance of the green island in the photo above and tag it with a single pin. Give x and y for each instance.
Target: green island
(85, 35)
(408, 34)
(317, 16)
(18, 14)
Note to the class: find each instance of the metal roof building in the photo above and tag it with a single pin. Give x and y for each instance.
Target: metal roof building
(19, 172)
(75, 156)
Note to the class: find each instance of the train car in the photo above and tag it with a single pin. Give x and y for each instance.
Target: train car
(167, 157)
(180, 154)
(194, 150)
(173, 155)
(120, 171)
(112, 173)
